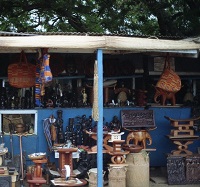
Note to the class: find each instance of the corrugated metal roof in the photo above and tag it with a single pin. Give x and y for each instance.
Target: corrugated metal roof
(76, 42)
(2, 33)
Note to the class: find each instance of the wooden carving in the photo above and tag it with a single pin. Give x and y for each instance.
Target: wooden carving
(139, 137)
(164, 96)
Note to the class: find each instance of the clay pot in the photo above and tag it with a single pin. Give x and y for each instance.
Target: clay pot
(132, 148)
(19, 128)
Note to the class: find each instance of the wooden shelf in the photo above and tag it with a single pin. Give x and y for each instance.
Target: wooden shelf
(70, 77)
(120, 77)
(179, 73)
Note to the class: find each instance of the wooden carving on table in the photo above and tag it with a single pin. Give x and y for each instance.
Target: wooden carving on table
(117, 153)
(138, 123)
(140, 97)
(182, 135)
(164, 96)
(139, 137)
(122, 94)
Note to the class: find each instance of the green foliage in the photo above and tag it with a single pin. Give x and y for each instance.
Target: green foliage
(145, 17)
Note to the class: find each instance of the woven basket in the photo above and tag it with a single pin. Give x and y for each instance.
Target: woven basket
(169, 80)
(21, 74)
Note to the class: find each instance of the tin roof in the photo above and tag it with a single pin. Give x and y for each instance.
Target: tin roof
(2, 33)
(75, 42)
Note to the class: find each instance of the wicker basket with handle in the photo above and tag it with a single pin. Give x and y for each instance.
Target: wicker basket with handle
(21, 74)
(169, 80)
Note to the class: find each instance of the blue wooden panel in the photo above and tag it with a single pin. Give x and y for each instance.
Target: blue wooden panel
(29, 144)
(163, 145)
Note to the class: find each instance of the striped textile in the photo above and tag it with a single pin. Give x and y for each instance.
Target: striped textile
(47, 131)
(38, 84)
(45, 71)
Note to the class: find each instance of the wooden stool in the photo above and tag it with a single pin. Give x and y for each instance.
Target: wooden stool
(36, 182)
(182, 135)
(36, 179)
(182, 144)
(182, 126)
(65, 157)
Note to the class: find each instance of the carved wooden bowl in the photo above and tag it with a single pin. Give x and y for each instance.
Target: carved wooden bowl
(132, 148)
(37, 156)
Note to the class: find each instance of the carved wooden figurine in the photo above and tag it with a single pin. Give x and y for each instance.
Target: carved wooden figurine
(164, 95)
(139, 137)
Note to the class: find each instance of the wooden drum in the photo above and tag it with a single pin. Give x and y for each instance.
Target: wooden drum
(138, 169)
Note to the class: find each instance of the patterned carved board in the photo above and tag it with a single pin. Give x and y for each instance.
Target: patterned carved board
(5, 181)
(137, 118)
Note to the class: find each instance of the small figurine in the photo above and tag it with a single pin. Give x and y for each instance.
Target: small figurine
(59, 95)
(84, 95)
(59, 124)
(122, 94)
(69, 130)
(3, 98)
(49, 103)
(115, 124)
(31, 129)
(28, 97)
(53, 130)
(16, 100)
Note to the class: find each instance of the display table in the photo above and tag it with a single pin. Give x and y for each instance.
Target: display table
(79, 182)
(13, 177)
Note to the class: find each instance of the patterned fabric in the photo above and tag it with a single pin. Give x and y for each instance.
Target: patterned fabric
(47, 131)
(37, 85)
(45, 71)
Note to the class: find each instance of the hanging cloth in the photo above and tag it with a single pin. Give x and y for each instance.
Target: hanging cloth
(47, 130)
(38, 84)
(95, 107)
(45, 71)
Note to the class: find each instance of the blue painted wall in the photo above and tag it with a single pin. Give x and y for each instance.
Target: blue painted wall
(37, 143)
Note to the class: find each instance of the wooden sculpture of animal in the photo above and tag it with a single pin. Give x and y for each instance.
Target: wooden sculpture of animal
(164, 95)
(139, 137)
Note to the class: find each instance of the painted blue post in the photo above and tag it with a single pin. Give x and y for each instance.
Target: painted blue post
(100, 122)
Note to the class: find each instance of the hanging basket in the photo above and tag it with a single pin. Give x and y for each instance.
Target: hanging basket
(169, 80)
(21, 74)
